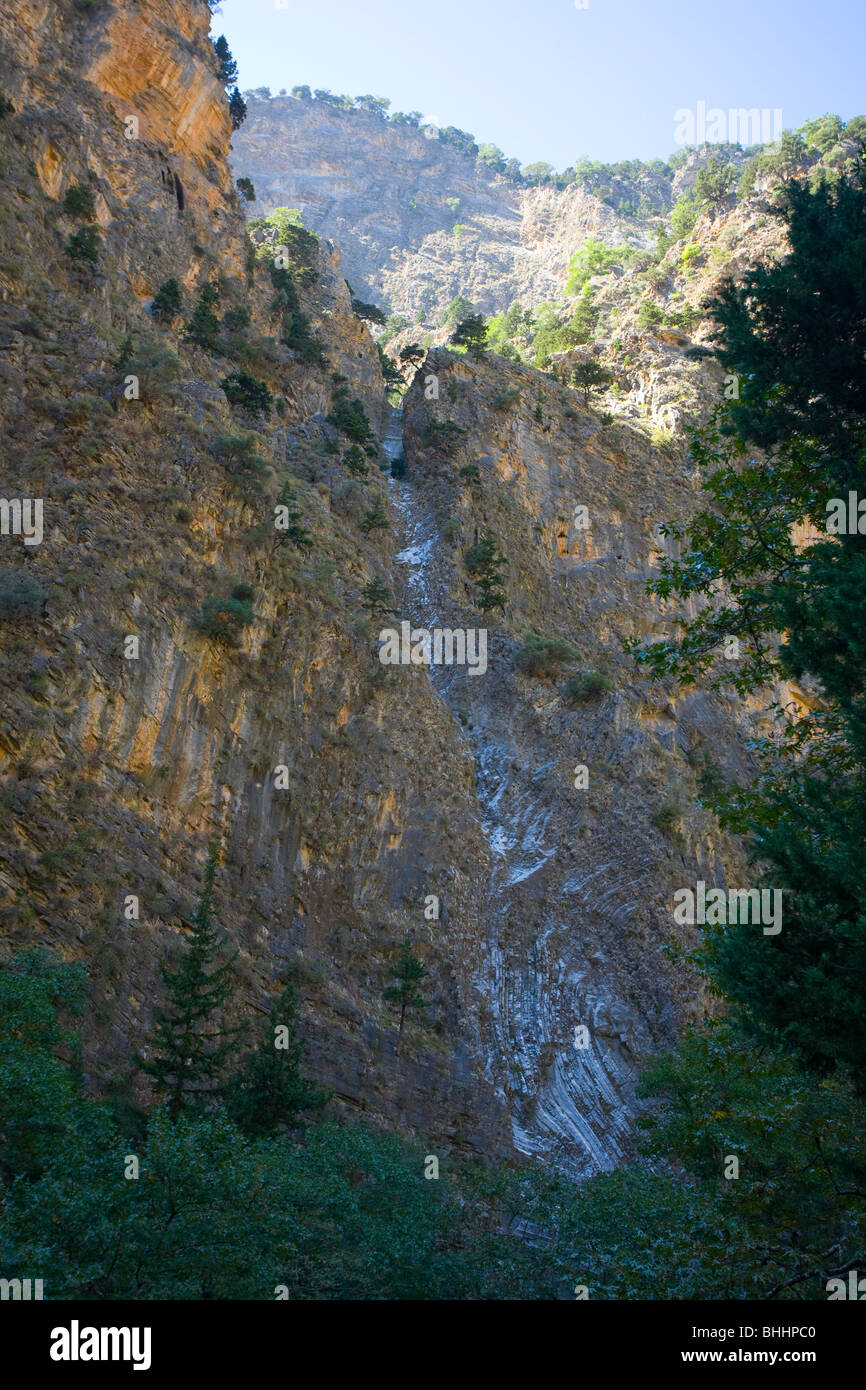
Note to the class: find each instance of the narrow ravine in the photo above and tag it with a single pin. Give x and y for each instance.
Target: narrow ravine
(565, 1105)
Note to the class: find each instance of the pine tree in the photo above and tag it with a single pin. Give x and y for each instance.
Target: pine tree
(227, 71)
(190, 1049)
(204, 326)
(471, 333)
(483, 562)
(269, 1091)
(292, 528)
(408, 972)
(377, 598)
(356, 461)
(237, 109)
(376, 519)
(167, 301)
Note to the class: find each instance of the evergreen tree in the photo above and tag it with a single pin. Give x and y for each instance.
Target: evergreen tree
(237, 109)
(471, 333)
(376, 519)
(204, 326)
(356, 461)
(227, 70)
(408, 972)
(190, 1049)
(483, 562)
(166, 302)
(290, 527)
(377, 598)
(268, 1091)
(590, 376)
(715, 182)
(794, 337)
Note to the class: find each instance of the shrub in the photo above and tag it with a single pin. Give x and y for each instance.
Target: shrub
(83, 245)
(437, 433)
(244, 390)
(684, 215)
(375, 519)
(21, 595)
(80, 202)
(542, 656)
(370, 312)
(237, 319)
(471, 474)
(356, 461)
(246, 190)
(238, 453)
(222, 619)
(204, 327)
(157, 366)
(349, 417)
(590, 686)
(483, 563)
(508, 396)
(667, 818)
(649, 313)
(167, 301)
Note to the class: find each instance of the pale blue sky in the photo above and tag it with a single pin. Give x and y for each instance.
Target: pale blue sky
(545, 80)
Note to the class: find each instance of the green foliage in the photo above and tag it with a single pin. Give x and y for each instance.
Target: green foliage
(543, 656)
(244, 390)
(375, 519)
(412, 355)
(552, 335)
(649, 313)
(246, 189)
(21, 595)
(223, 619)
(291, 527)
(204, 326)
(166, 303)
(83, 245)
(408, 972)
(190, 1050)
(438, 434)
(267, 1092)
(684, 215)
(79, 201)
(369, 312)
(377, 598)
(794, 333)
(227, 68)
(236, 319)
(237, 109)
(355, 461)
(471, 334)
(715, 182)
(459, 308)
(483, 563)
(594, 258)
(592, 685)
(349, 417)
(239, 454)
(589, 376)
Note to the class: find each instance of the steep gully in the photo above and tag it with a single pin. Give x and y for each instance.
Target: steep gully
(566, 1103)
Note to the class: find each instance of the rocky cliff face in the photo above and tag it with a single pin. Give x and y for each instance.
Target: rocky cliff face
(417, 221)
(344, 793)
